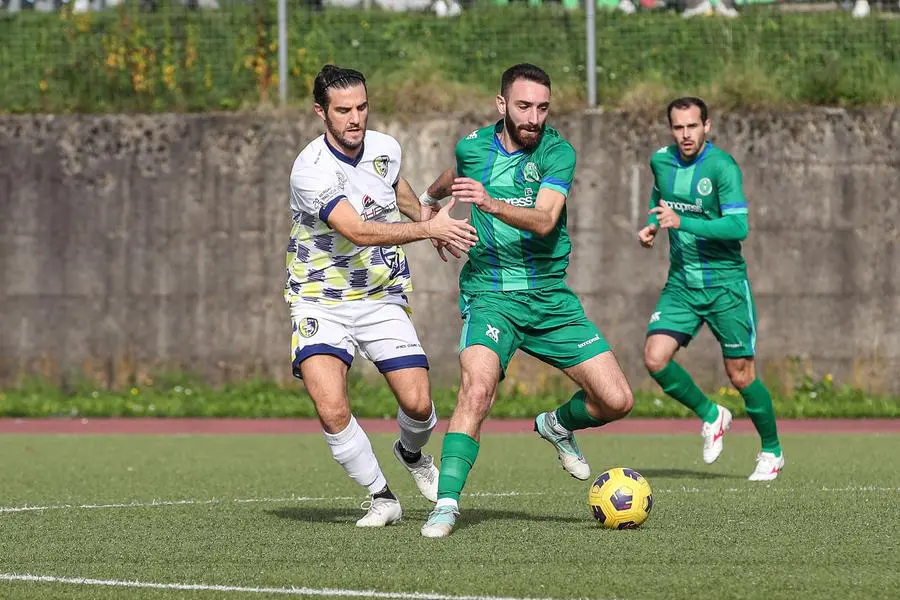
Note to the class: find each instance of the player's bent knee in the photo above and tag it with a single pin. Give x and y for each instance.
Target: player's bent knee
(475, 398)
(621, 403)
(418, 407)
(613, 405)
(741, 373)
(334, 418)
(654, 362)
(742, 378)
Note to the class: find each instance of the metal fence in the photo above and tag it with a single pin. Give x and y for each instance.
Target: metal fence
(200, 54)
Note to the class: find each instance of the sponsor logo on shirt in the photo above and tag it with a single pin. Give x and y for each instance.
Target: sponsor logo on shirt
(697, 207)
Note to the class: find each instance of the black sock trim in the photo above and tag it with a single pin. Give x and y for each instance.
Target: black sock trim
(409, 457)
(385, 493)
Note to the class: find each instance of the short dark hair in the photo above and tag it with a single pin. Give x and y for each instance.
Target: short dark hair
(688, 102)
(333, 76)
(525, 71)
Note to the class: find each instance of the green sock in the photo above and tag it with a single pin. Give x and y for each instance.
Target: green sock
(677, 382)
(573, 415)
(758, 402)
(458, 454)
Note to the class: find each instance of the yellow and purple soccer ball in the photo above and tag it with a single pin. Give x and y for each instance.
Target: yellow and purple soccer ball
(621, 499)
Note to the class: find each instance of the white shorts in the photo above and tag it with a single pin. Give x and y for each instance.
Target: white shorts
(381, 331)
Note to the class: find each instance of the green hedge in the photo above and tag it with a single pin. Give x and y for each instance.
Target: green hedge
(175, 60)
(182, 397)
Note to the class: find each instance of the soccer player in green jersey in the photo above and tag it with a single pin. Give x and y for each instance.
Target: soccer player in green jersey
(516, 175)
(698, 197)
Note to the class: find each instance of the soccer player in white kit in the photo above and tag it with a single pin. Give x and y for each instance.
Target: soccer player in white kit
(347, 285)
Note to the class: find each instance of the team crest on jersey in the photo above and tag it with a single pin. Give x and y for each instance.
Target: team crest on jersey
(704, 187)
(530, 173)
(308, 327)
(381, 164)
(392, 260)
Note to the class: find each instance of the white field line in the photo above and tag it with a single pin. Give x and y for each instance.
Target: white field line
(287, 591)
(158, 503)
(770, 488)
(161, 503)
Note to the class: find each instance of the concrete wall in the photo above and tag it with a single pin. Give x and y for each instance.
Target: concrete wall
(130, 245)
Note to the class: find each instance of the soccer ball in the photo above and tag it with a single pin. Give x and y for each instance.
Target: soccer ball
(621, 499)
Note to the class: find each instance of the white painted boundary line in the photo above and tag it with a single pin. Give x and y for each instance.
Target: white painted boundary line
(287, 591)
(158, 503)
(770, 488)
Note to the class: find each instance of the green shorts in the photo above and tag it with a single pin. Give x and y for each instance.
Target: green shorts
(729, 311)
(548, 323)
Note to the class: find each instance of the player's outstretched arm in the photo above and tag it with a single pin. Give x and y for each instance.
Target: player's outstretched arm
(430, 205)
(440, 189)
(540, 220)
(456, 232)
(726, 228)
(407, 201)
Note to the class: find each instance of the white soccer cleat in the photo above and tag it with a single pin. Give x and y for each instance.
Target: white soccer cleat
(714, 435)
(768, 466)
(563, 440)
(440, 522)
(423, 472)
(380, 512)
(724, 10)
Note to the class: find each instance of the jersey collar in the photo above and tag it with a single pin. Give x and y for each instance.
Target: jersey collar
(343, 157)
(698, 158)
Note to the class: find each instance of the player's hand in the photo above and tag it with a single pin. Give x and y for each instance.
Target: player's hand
(472, 192)
(456, 233)
(426, 213)
(441, 246)
(668, 218)
(647, 235)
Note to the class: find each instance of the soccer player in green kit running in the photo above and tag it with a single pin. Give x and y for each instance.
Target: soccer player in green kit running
(516, 174)
(698, 197)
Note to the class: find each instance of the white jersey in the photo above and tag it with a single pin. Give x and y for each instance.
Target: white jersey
(322, 265)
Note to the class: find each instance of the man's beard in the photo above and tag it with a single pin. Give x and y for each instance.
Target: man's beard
(513, 131)
(342, 140)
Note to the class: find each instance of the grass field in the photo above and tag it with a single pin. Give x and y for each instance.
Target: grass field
(276, 512)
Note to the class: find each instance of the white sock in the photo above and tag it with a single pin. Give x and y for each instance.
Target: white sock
(447, 502)
(415, 434)
(352, 449)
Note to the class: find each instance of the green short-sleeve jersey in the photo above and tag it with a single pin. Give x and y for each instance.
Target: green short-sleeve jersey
(709, 187)
(507, 258)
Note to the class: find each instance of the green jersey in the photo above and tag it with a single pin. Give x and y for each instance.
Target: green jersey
(507, 258)
(707, 188)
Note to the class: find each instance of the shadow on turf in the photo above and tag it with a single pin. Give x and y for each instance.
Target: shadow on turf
(652, 474)
(473, 516)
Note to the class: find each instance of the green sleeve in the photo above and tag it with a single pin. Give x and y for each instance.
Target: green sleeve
(729, 227)
(558, 168)
(460, 153)
(730, 190)
(655, 197)
(654, 202)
